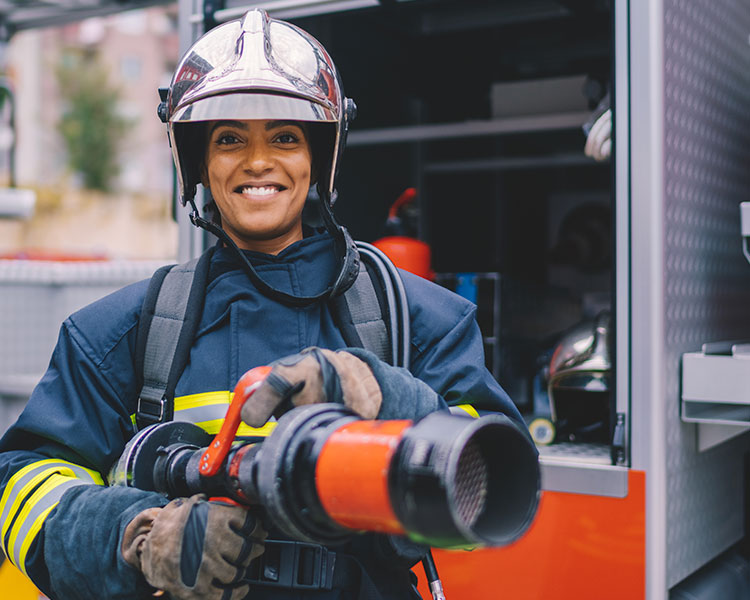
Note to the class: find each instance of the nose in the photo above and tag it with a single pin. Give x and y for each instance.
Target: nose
(258, 159)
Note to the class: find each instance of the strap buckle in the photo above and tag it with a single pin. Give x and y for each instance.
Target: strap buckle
(150, 411)
(293, 565)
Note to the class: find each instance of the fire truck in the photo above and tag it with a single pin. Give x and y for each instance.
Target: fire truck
(580, 167)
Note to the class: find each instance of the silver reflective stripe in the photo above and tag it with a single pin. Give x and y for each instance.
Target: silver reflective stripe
(18, 482)
(207, 410)
(22, 536)
(19, 501)
(200, 414)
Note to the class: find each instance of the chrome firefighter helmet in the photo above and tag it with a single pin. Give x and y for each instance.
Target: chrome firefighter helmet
(255, 68)
(580, 382)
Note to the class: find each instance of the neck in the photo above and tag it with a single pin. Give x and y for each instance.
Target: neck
(271, 246)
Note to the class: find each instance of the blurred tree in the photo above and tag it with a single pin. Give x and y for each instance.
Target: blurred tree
(90, 124)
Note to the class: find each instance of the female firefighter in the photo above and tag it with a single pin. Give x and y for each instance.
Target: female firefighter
(256, 114)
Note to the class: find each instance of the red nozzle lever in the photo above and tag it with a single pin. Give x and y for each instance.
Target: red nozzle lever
(215, 454)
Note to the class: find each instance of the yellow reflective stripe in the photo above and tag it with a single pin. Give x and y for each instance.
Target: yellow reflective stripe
(197, 403)
(194, 400)
(468, 408)
(59, 475)
(202, 400)
(33, 532)
(208, 409)
(11, 498)
(212, 427)
(29, 522)
(27, 478)
(245, 430)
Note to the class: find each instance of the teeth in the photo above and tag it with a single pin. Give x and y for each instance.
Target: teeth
(260, 191)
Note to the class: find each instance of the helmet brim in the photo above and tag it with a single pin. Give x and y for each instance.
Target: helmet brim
(253, 105)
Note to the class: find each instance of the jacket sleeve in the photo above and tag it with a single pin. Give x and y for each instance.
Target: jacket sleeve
(448, 351)
(404, 395)
(54, 459)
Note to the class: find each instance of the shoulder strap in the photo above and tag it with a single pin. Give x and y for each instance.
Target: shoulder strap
(373, 313)
(169, 320)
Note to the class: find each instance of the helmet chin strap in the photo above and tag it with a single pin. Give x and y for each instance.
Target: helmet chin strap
(345, 248)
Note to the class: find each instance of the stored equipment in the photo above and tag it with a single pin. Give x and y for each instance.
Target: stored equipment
(446, 481)
(400, 241)
(579, 385)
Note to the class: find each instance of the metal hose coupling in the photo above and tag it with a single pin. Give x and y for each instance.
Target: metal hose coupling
(446, 481)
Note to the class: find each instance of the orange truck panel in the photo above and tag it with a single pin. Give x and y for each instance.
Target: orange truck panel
(579, 547)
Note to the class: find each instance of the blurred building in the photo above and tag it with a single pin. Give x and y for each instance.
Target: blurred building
(141, 49)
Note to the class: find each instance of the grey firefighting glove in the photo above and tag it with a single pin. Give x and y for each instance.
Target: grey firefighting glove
(315, 375)
(194, 549)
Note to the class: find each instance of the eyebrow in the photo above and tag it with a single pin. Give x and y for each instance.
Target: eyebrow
(227, 123)
(242, 125)
(274, 124)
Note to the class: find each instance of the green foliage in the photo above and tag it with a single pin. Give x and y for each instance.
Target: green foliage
(90, 124)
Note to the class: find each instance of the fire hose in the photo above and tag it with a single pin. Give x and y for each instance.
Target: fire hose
(323, 474)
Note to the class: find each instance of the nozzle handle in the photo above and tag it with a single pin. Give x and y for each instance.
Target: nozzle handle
(216, 453)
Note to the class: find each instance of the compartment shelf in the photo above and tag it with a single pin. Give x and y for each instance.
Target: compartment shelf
(716, 391)
(508, 163)
(474, 128)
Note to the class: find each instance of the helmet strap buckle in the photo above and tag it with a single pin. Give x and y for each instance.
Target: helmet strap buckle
(195, 217)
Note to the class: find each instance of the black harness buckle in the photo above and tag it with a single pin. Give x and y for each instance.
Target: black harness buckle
(149, 412)
(293, 565)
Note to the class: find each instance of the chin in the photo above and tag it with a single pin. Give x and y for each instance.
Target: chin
(266, 239)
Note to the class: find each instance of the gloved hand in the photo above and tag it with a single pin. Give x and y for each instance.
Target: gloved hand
(193, 549)
(315, 375)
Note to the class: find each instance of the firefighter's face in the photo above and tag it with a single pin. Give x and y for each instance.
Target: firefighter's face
(259, 175)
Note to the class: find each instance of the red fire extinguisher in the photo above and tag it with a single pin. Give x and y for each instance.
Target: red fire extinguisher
(405, 251)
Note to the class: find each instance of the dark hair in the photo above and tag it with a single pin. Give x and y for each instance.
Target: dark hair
(321, 137)
(190, 139)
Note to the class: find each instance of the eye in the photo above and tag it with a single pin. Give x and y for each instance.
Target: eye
(287, 137)
(226, 138)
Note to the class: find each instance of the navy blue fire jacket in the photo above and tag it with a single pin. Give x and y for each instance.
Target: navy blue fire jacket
(62, 526)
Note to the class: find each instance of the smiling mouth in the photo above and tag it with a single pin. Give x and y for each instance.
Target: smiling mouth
(260, 191)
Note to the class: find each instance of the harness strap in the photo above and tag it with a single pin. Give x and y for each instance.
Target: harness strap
(360, 316)
(397, 313)
(168, 323)
(374, 312)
